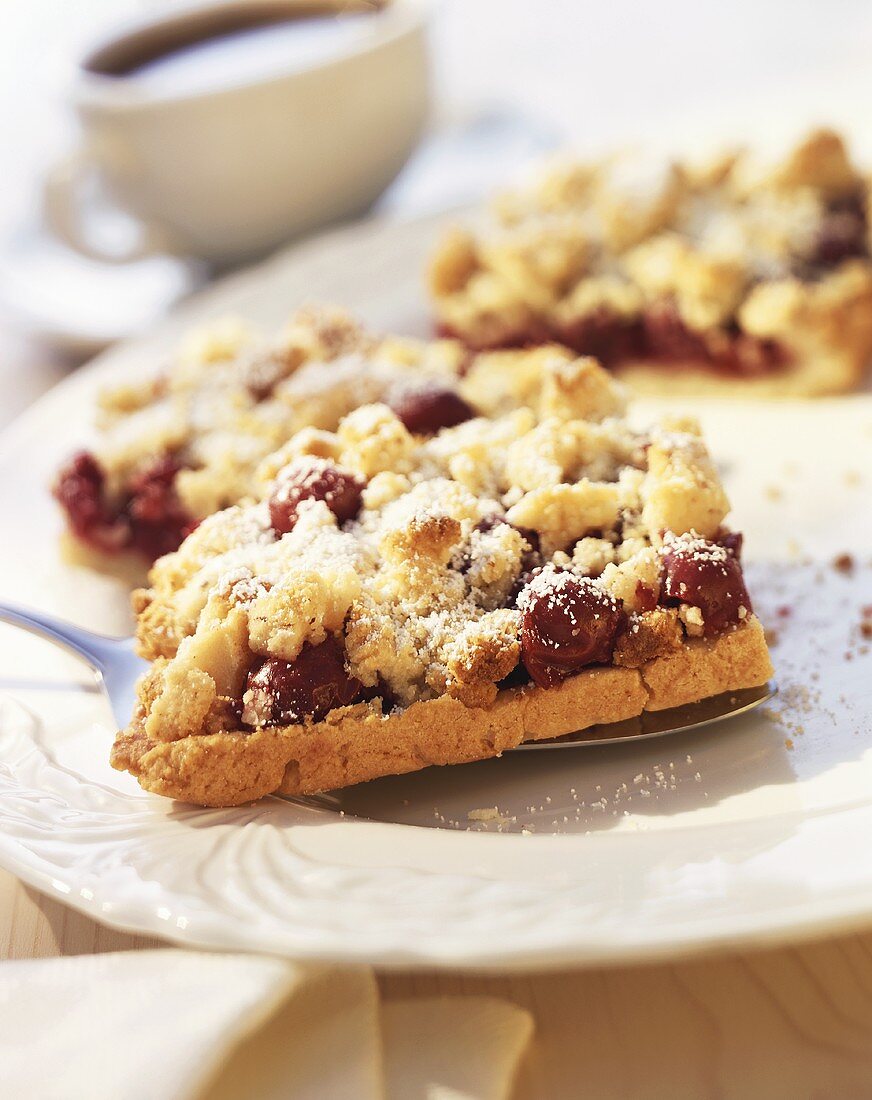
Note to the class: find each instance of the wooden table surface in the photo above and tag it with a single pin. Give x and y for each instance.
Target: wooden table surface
(793, 1023)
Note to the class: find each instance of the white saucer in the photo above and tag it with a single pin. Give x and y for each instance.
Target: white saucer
(78, 306)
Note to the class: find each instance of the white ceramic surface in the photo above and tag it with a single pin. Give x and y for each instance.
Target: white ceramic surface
(751, 832)
(228, 171)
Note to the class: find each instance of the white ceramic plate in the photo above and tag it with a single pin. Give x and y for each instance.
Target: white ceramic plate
(747, 832)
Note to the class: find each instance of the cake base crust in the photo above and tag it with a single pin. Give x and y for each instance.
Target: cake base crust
(358, 743)
(829, 372)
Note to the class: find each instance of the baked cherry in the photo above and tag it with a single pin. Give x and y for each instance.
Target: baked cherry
(708, 576)
(429, 407)
(286, 692)
(159, 522)
(567, 623)
(149, 517)
(314, 479)
(79, 491)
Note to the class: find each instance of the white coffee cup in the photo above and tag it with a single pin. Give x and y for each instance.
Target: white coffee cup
(230, 171)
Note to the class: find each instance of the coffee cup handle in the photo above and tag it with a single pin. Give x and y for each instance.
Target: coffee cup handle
(64, 209)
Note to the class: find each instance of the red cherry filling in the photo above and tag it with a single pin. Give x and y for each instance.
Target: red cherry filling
(567, 622)
(727, 349)
(149, 517)
(606, 336)
(79, 491)
(286, 692)
(314, 479)
(427, 409)
(158, 521)
(659, 335)
(708, 576)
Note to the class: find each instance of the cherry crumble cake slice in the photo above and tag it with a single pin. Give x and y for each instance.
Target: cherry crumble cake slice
(398, 598)
(728, 278)
(176, 448)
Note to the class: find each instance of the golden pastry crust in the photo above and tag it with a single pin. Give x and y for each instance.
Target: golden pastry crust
(656, 634)
(358, 743)
(734, 278)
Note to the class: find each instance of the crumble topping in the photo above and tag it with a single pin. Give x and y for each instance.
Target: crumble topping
(233, 409)
(455, 563)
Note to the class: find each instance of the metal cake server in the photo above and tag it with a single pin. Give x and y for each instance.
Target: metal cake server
(113, 660)
(117, 668)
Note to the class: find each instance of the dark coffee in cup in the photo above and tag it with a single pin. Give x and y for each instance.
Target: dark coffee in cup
(223, 47)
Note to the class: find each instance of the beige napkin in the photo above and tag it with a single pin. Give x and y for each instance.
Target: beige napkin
(179, 1025)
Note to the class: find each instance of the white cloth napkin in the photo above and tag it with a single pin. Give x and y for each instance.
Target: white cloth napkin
(185, 1025)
